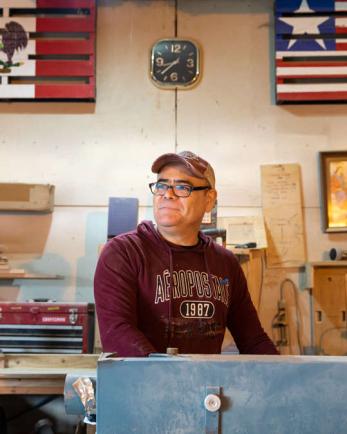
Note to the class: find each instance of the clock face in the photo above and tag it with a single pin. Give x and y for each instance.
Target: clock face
(174, 63)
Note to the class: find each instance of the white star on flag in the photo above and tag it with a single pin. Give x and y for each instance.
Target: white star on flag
(305, 25)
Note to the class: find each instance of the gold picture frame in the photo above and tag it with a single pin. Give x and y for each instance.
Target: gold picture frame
(333, 167)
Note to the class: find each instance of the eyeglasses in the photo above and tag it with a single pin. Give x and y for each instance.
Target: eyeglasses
(179, 190)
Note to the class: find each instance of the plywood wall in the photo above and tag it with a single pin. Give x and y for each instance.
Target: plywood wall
(92, 152)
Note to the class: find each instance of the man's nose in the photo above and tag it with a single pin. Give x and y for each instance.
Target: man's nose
(169, 194)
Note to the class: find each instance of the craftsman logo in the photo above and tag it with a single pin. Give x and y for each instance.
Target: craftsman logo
(54, 319)
(197, 309)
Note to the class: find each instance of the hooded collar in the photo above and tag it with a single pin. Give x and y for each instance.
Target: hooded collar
(147, 230)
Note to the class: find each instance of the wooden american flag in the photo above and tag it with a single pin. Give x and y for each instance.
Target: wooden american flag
(311, 51)
(47, 50)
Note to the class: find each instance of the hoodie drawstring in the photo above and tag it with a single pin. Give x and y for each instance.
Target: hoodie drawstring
(170, 298)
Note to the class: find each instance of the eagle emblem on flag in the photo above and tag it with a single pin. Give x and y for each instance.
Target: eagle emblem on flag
(12, 38)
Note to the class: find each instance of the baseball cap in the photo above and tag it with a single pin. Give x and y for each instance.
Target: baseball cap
(195, 165)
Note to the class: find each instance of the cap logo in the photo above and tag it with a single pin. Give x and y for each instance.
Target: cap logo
(194, 159)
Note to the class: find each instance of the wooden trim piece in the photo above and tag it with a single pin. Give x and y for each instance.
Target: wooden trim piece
(52, 361)
(36, 374)
(31, 384)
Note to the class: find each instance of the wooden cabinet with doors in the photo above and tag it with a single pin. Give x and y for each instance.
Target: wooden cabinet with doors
(328, 307)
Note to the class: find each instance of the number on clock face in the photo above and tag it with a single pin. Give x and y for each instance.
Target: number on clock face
(175, 63)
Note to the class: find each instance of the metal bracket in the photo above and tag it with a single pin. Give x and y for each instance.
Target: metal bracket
(212, 404)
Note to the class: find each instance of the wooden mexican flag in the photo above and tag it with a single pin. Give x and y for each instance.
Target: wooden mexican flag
(47, 50)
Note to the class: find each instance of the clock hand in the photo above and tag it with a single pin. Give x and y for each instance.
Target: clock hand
(170, 65)
(165, 64)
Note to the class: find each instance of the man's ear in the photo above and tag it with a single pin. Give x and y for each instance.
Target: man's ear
(211, 199)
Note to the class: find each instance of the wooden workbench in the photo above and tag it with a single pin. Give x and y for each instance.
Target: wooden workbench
(41, 374)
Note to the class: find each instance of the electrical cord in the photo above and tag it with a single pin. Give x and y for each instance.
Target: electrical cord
(298, 315)
(297, 308)
(278, 322)
(274, 320)
(261, 281)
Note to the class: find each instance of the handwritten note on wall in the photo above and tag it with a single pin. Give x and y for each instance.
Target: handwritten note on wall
(283, 215)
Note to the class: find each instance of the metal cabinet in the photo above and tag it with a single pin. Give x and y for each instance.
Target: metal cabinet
(192, 394)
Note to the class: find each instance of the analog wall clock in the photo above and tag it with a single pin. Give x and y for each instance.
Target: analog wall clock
(175, 63)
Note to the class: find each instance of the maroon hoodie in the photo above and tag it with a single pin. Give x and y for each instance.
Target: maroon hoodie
(151, 294)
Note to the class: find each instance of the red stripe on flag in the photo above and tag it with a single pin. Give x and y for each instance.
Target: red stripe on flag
(78, 24)
(304, 63)
(280, 78)
(71, 4)
(75, 91)
(341, 30)
(312, 96)
(67, 68)
(65, 46)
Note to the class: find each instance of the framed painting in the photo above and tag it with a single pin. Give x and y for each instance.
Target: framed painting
(333, 168)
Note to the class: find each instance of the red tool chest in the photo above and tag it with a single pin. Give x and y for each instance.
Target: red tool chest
(46, 327)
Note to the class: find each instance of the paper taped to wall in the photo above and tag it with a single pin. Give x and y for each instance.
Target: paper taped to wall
(244, 229)
(283, 214)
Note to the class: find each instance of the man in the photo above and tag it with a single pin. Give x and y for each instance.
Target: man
(169, 285)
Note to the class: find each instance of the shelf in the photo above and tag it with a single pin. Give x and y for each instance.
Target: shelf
(328, 264)
(245, 252)
(12, 276)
